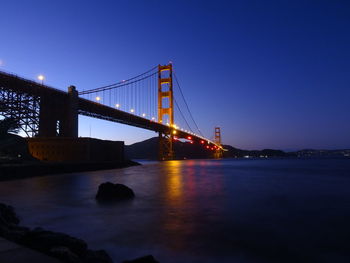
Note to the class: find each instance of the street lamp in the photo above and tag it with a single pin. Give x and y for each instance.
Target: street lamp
(41, 78)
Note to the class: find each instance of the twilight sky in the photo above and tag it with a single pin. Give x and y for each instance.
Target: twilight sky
(271, 74)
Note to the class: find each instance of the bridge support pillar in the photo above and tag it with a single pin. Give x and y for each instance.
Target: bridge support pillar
(165, 147)
(59, 116)
(70, 125)
(48, 116)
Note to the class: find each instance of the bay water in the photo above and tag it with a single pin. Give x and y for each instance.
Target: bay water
(232, 210)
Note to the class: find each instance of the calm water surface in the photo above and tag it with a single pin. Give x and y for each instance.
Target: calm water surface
(201, 211)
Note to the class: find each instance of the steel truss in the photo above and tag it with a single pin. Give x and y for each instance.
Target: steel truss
(22, 107)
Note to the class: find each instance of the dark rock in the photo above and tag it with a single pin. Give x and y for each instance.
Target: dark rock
(114, 192)
(65, 254)
(145, 259)
(98, 256)
(62, 246)
(16, 233)
(7, 215)
(44, 240)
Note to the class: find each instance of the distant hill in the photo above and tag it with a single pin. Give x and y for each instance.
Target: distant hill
(148, 149)
(233, 152)
(324, 153)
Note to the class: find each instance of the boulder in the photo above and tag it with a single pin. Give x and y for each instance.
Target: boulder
(145, 259)
(114, 192)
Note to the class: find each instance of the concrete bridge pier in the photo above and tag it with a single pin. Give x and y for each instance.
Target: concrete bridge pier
(59, 116)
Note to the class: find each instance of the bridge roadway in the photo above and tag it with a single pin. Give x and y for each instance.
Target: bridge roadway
(90, 108)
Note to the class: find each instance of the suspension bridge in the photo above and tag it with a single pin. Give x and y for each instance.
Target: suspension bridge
(146, 101)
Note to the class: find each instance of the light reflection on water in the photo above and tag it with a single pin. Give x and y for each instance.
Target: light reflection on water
(200, 211)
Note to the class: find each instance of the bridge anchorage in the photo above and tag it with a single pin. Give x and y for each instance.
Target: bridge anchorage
(146, 101)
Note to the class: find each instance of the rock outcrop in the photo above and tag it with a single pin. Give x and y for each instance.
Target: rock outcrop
(62, 246)
(108, 192)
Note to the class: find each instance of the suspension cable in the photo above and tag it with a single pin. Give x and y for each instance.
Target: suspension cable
(188, 109)
(121, 83)
(183, 117)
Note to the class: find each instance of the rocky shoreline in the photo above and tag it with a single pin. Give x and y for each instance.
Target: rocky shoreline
(61, 246)
(13, 171)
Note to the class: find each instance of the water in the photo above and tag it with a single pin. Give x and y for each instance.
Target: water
(201, 211)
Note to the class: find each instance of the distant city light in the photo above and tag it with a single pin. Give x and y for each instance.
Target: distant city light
(132, 110)
(153, 118)
(98, 98)
(143, 114)
(117, 105)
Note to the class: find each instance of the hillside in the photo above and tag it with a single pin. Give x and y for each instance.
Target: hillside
(148, 149)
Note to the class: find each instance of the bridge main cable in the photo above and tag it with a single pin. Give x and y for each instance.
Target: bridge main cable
(122, 83)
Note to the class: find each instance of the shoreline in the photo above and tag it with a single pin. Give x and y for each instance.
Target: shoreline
(14, 171)
(19, 242)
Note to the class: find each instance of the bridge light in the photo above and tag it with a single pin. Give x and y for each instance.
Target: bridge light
(98, 98)
(117, 105)
(202, 141)
(143, 114)
(41, 78)
(207, 146)
(189, 137)
(174, 132)
(132, 110)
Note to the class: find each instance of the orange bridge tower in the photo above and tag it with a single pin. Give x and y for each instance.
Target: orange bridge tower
(165, 110)
(217, 139)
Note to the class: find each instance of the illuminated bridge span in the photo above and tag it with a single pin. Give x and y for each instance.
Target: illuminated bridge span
(146, 101)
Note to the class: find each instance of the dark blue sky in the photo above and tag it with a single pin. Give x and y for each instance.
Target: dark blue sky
(271, 74)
